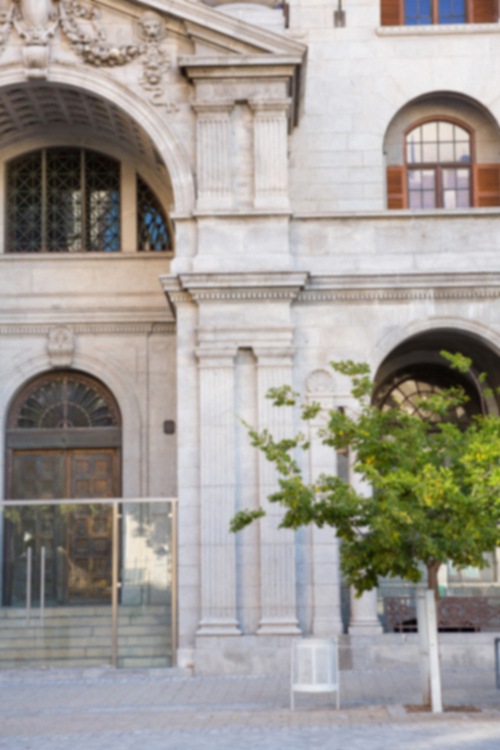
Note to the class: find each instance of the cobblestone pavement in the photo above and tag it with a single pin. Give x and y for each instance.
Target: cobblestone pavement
(100, 709)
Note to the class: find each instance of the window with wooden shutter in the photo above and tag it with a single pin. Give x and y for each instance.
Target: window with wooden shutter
(487, 185)
(427, 12)
(396, 187)
(483, 11)
(391, 12)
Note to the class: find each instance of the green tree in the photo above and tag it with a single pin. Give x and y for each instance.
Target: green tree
(435, 484)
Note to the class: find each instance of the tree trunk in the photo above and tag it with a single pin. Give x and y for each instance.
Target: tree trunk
(432, 577)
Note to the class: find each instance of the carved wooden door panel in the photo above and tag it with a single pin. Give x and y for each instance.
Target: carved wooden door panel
(88, 540)
(35, 475)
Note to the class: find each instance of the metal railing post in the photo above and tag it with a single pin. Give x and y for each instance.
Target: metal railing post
(114, 587)
(42, 586)
(29, 554)
(174, 608)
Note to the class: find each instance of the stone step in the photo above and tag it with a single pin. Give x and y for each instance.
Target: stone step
(53, 640)
(76, 621)
(59, 651)
(67, 631)
(81, 636)
(131, 663)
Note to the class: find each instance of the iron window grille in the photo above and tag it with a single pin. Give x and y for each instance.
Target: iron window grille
(63, 200)
(152, 226)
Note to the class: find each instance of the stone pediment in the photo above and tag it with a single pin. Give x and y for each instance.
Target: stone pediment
(97, 30)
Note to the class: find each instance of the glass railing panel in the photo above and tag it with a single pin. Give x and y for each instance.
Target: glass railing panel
(146, 606)
(56, 584)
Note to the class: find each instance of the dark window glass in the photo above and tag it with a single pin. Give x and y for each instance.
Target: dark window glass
(63, 200)
(152, 225)
(418, 12)
(24, 204)
(102, 202)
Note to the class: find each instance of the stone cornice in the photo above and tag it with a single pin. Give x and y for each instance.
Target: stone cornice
(300, 288)
(43, 329)
(208, 287)
(400, 288)
(251, 280)
(393, 214)
(240, 286)
(199, 66)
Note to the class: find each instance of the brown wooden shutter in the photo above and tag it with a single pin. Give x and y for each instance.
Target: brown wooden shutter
(486, 185)
(391, 12)
(483, 11)
(396, 187)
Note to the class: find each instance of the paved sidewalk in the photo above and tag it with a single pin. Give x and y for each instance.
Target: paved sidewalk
(101, 709)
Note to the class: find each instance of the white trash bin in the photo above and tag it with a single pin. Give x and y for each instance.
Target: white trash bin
(315, 667)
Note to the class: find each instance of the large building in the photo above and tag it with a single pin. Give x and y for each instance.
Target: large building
(203, 199)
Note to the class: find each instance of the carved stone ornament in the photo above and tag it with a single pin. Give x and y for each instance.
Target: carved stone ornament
(152, 31)
(36, 22)
(61, 346)
(320, 382)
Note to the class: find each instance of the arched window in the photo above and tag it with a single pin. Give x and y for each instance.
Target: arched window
(152, 226)
(69, 200)
(438, 159)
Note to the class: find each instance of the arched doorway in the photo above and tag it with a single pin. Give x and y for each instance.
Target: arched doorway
(63, 441)
(416, 368)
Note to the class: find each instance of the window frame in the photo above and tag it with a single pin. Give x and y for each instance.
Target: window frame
(130, 169)
(469, 14)
(439, 166)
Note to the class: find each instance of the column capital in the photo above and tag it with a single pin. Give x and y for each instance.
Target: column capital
(217, 107)
(270, 106)
(216, 356)
(274, 356)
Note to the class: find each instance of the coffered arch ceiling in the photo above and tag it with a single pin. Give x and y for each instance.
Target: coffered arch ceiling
(29, 111)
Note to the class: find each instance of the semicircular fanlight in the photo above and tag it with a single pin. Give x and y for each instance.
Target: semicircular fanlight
(409, 392)
(65, 401)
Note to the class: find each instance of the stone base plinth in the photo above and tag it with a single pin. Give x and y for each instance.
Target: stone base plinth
(270, 655)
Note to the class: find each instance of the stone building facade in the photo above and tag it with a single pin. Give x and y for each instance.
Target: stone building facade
(329, 181)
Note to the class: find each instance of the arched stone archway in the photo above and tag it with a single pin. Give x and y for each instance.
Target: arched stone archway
(137, 110)
(417, 360)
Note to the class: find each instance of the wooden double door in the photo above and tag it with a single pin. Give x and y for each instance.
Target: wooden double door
(76, 538)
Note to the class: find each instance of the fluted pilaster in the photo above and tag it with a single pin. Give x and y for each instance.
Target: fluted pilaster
(214, 155)
(327, 616)
(278, 596)
(217, 490)
(271, 153)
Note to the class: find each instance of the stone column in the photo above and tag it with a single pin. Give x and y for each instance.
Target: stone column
(364, 619)
(217, 491)
(277, 546)
(271, 153)
(214, 155)
(327, 615)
